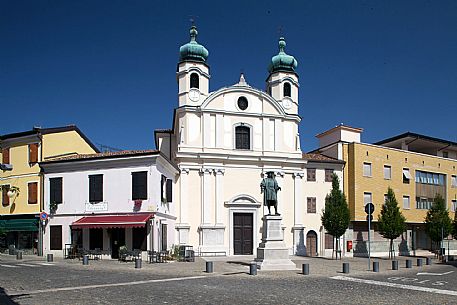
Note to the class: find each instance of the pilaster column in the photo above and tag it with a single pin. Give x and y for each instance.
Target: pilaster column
(219, 209)
(279, 176)
(298, 182)
(183, 195)
(205, 174)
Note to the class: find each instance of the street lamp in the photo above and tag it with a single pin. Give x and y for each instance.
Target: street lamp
(13, 191)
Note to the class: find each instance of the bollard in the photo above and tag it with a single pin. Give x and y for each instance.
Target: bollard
(419, 262)
(375, 266)
(50, 258)
(209, 267)
(428, 261)
(253, 268)
(409, 263)
(305, 269)
(394, 265)
(18, 254)
(85, 259)
(345, 267)
(137, 263)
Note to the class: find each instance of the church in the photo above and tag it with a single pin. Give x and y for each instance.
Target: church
(225, 141)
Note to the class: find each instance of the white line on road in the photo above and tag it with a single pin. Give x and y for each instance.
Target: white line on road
(46, 264)
(9, 266)
(12, 293)
(431, 273)
(409, 287)
(28, 265)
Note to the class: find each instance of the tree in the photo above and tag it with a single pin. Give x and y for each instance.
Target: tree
(454, 226)
(391, 222)
(335, 216)
(437, 222)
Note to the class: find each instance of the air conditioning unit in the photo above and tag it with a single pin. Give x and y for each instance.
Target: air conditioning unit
(6, 167)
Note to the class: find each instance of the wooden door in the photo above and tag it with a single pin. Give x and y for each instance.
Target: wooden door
(243, 233)
(311, 243)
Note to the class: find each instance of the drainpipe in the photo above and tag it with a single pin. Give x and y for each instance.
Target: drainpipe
(40, 225)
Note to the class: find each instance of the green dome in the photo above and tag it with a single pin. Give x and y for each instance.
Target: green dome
(192, 50)
(282, 61)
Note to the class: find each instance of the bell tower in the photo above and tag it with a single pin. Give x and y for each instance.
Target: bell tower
(282, 82)
(192, 72)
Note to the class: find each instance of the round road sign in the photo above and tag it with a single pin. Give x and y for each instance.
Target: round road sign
(369, 208)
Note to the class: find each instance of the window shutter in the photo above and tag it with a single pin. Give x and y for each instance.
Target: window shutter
(162, 188)
(5, 198)
(140, 186)
(55, 191)
(6, 156)
(33, 189)
(169, 190)
(33, 153)
(242, 137)
(95, 188)
(55, 237)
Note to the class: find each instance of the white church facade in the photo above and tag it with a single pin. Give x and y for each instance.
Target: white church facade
(224, 142)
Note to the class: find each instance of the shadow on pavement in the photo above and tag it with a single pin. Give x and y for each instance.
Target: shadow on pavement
(5, 299)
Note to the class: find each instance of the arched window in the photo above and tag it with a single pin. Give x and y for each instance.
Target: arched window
(242, 137)
(194, 81)
(286, 89)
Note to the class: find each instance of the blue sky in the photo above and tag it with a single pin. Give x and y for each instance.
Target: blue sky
(109, 66)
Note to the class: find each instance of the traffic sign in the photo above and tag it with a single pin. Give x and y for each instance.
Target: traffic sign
(369, 217)
(369, 208)
(43, 216)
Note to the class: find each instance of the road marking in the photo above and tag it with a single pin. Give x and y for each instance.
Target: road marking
(46, 264)
(431, 273)
(9, 266)
(394, 285)
(12, 293)
(28, 265)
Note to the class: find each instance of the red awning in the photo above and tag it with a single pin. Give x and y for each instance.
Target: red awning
(113, 221)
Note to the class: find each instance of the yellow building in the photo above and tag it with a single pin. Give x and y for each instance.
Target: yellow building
(21, 180)
(415, 166)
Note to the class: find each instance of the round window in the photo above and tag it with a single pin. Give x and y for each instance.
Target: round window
(242, 103)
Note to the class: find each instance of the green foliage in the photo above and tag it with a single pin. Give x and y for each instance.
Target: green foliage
(335, 217)
(454, 226)
(391, 222)
(438, 224)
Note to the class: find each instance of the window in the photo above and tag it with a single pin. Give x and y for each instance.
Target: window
(55, 190)
(406, 176)
(5, 198)
(328, 175)
(430, 178)
(445, 154)
(242, 137)
(96, 239)
(367, 169)
(166, 189)
(311, 204)
(287, 90)
(169, 190)
(453, 205)
(139, 185)
(423, 203)
(454, 181)
(367, 198)
(242, 103)
(33, 192)
(406, 203)
(33, 153)
(55, 233)
(139, 238)
(194, 81)
(387, 172)
(311, 174)
(6, 156)
(95, 188)
(328, 241)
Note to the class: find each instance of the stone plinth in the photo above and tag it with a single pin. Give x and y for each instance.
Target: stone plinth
(272, 253)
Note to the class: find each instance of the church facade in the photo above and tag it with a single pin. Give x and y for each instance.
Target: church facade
(225, 141)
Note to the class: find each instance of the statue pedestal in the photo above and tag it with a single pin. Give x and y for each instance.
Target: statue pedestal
(272, 253)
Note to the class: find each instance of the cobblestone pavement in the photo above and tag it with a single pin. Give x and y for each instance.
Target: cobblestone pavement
(33, 281)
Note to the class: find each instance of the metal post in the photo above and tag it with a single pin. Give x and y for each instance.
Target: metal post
(50, 257)
(428, 261)
(85, 259)
(409, 263)
(345, 267)
(305, 269)
(394, 265)
(19, 254)
(419, 262)
(253, 268)
(375, 266)
(137, 263)
(209, 267)
(369, 243)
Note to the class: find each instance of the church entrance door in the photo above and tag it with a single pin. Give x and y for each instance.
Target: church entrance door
(242, 233)
(311, 243)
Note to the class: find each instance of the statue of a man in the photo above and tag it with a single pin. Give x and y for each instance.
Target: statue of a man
(269, 187)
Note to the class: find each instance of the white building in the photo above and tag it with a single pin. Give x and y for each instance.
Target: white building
(225, 141)
(108, 200)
